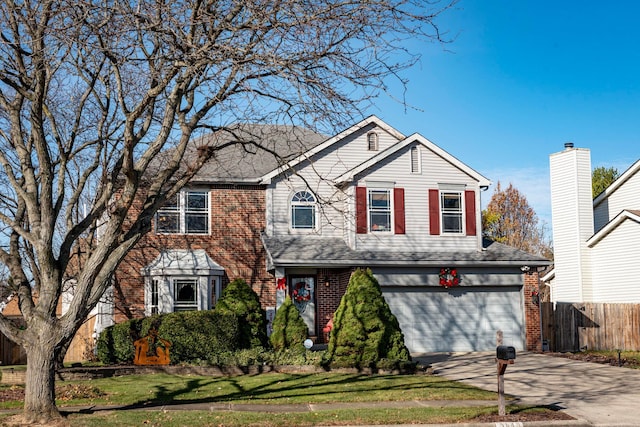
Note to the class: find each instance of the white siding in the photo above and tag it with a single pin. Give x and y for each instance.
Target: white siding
(318, 173)
(627, 196)
(572, 218)
(435, 171)
(337, 206)
(616, 270)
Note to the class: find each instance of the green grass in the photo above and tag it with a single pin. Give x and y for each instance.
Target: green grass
(238, 419)
(154, 391)
(266, 389)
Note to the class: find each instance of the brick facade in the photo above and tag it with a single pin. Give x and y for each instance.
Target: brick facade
(532, 312)
(328, 297)
(237, 219)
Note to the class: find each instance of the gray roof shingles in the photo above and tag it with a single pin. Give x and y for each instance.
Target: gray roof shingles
(318, 251)
(255, 153)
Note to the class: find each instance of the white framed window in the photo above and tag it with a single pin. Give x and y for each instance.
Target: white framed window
(379, 206)
(185, 294)
(186, 213)
(154, 300)
(372, 141)
(452, 212)
(303, 211)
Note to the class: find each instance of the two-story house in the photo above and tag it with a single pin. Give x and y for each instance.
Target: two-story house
(367, 197)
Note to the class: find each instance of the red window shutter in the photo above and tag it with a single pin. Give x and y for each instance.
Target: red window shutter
(434, 212)
(361, 210)
(470, 212)
(398, 210)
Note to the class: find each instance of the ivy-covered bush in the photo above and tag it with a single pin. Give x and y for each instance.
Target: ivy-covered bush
(195, 336)
(289, 329)
(115, 343)
(240, 300)
(365, 332)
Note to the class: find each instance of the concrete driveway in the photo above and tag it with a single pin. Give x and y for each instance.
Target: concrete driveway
(599, 394)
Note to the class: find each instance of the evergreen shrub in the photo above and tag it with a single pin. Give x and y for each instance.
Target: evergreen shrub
(239, 299)
(289, 329)
(365, 332)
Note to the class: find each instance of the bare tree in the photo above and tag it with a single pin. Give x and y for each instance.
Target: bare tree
(509, 219)
(92, 92)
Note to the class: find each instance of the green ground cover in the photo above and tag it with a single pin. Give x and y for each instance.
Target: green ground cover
(159, 391)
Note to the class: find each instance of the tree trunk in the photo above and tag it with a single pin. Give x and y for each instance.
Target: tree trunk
(39, 399)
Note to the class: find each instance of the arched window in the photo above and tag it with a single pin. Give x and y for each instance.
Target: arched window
(303, 211)
(372, 140)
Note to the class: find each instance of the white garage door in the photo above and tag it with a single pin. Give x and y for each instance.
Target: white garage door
(458, 319)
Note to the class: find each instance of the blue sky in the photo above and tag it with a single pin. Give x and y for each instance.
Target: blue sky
(519, 80)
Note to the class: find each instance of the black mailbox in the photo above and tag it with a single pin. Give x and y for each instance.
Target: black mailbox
(504, 352)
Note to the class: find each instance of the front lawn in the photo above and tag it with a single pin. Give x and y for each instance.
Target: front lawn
(158, 392)
(271, 388)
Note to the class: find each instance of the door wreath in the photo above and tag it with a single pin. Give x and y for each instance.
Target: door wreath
(449, 277)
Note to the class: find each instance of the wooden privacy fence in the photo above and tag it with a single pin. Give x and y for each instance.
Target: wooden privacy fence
(80, 349)
(590, 326)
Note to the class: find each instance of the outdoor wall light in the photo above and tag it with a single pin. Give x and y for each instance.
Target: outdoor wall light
(326, 281)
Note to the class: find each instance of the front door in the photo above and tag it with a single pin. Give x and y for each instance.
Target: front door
(303, 294)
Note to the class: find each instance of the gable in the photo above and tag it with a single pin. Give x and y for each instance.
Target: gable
(625, 217)
(436, 165)
(618, 183)
(342, 151)
(622, 194)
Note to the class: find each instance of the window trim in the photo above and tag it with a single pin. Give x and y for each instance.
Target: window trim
(154, 296)
(460, 213)
(373, 141)
(293, 204)
(182, 211)
(389, 210)
(190, 305)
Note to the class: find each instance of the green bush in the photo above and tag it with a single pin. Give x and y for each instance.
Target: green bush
(115, 343)
(195, 336)
(240, 300)
(296, 357)
(256, 356)
(289, 329)
(365, 332)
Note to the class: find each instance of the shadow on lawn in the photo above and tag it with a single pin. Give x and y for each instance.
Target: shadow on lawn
(277, 389)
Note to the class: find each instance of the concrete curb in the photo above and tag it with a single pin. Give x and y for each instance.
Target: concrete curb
(336, 406)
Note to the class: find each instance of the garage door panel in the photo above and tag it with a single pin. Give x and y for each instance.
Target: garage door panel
(434, 319)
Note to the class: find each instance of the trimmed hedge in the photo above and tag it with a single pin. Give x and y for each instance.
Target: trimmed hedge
(199, 335)
(195, 336)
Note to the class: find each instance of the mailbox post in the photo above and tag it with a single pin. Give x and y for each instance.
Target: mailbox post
(505, 355)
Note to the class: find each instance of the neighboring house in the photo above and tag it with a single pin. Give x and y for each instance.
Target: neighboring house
(596, 241)
(368, 197)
